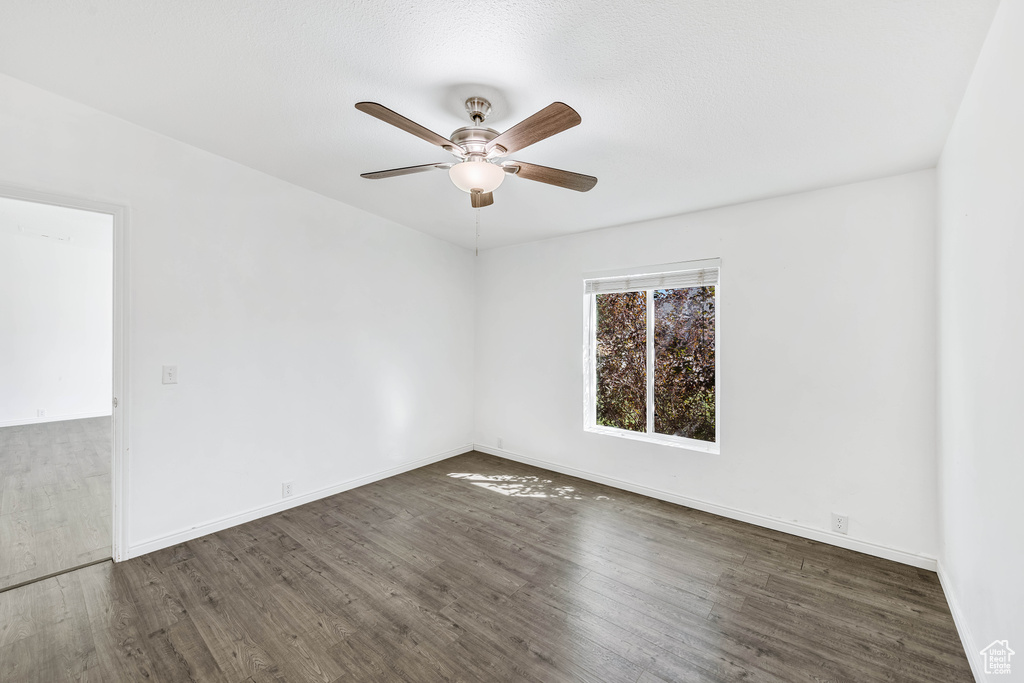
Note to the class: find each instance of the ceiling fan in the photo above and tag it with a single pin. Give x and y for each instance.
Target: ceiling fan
(482, 152)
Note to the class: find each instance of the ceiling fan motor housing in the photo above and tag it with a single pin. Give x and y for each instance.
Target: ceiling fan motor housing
(474, 139)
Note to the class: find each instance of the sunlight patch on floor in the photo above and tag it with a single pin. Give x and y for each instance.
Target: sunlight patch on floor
(518, 485)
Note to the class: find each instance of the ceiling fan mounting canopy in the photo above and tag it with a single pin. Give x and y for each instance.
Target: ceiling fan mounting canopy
(481, 151)
(478, 108)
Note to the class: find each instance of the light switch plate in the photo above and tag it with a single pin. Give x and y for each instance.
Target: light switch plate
(170, 374)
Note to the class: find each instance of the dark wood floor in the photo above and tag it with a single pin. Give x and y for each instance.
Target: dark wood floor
(54, 497)
(480, 569)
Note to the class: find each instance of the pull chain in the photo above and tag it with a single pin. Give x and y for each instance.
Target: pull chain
(477, 249)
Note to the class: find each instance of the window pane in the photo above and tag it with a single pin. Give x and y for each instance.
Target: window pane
(621, 351)
(684, 362)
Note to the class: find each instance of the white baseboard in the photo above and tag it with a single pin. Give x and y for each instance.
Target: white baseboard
(52, 418)
(970, 646)
(815, 534)
(153, 544)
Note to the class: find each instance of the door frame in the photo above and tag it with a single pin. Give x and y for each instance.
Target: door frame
(121, 309)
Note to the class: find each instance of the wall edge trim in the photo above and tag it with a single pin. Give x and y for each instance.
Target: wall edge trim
(168, 540)
(812, 533)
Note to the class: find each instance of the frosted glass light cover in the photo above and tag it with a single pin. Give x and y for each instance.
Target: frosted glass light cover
(476, 175)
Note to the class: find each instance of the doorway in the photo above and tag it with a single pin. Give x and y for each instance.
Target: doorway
(60, 427)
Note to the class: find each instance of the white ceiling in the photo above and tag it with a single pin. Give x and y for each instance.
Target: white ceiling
(685, 105)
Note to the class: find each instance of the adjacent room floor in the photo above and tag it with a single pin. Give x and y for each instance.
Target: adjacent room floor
(480, 569)
(54, 497)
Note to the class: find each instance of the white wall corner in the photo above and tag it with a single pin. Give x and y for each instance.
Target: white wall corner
(971, 647)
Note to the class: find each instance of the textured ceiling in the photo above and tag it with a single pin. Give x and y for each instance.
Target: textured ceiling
(685, 105)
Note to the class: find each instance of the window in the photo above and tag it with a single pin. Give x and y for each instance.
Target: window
(651, 351)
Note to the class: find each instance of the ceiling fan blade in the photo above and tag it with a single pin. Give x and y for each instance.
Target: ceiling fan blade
(480, 199)
(553, 176)
(409, 126)
(552, 119)
(406, 170)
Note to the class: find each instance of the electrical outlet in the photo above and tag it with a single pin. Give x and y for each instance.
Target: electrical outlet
(501, 442)
(170, 374)
(840, 523)
(286, 489)
(41, 412)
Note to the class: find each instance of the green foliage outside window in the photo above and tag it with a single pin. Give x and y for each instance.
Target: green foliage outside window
(622, 360)
(684, 361)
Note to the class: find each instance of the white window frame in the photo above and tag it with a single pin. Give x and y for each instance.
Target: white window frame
(590, 359)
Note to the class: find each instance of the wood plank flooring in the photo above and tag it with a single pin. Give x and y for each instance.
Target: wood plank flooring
(480, 569)
(54, 497)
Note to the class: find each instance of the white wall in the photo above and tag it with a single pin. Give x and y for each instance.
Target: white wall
(981, 359)
(827, 359)
(56, 315)
(314, 342)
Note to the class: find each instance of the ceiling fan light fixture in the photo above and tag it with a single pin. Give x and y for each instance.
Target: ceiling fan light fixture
(481, 150)
(476, 174)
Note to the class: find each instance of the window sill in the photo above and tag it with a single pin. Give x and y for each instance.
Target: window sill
(660, 439)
